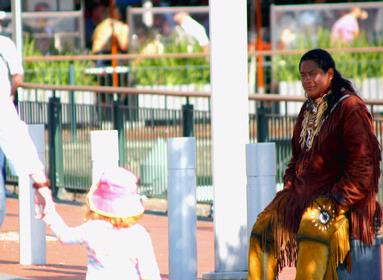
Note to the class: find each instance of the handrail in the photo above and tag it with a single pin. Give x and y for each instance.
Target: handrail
(132, 56)
(121, 90)
(331, 50)
(111, 56)
(272, 97)
(276, 97)
(296, 98)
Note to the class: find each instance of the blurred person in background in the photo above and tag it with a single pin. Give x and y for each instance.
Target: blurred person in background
(346, 29)
(96, 14)
(105, 31)
(192, 28)
(42, 31)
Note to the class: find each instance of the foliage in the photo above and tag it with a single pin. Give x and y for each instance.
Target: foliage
(351, 65)
(53, 72)
(170, 71)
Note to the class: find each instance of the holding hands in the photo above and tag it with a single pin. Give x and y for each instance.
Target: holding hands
(43, 196)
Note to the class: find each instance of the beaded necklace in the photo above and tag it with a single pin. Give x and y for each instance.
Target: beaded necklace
(313, 120)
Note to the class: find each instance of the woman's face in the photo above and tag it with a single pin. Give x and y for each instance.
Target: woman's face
(314, 80)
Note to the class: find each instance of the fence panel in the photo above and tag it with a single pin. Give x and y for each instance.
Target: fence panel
(143, 134)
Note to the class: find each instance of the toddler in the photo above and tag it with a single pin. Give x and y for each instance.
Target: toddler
(118, 247)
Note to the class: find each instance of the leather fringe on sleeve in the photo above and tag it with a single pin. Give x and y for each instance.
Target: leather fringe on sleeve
(366, 217)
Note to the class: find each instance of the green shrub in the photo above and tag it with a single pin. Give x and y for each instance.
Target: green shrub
(171, 71)
(351, 65)
(53, 72)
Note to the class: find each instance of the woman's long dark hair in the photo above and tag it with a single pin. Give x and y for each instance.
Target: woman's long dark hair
(325, 61)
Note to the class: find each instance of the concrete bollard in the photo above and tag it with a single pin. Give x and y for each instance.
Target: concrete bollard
(261, 187)
(31, 230)
(104, 146)
(181, 154)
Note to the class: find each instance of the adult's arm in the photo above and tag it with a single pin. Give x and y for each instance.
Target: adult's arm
(16, 81)
(360, 148)
(14, 63)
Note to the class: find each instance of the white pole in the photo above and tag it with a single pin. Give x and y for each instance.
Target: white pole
(230, 134)
(17, 34)
(261, 187)
(104, 146)
(182, 208)
(32, 231)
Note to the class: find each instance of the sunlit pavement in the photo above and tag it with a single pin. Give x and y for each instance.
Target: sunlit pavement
(69, 261)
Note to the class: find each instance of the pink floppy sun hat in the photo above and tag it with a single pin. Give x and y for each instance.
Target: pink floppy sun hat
(115, 194)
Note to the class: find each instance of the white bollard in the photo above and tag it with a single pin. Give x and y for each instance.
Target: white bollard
(104, 146)
(31, 230)
(261, 187)
(181, 153)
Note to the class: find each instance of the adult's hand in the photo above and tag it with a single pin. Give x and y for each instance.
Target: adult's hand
(43, 202)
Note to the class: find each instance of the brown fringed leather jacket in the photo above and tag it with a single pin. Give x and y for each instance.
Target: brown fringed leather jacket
(343, 163)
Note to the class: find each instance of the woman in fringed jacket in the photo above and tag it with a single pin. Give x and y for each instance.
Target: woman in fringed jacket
(330, 184)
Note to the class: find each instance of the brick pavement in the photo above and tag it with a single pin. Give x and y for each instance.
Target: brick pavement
(69, 261)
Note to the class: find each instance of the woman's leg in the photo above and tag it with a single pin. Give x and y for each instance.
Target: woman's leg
(312, 260)
(262, 262)
(323, 241)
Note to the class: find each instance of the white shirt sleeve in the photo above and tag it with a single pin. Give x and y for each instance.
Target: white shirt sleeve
(66, 234)
(12, 57)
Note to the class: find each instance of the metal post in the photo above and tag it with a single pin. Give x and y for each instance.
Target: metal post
(31, 231)
(104, 146)
(187, 117)
(55, 143)
(261, 187)
(182, 208)
(262, 123)
(72, 102)
(119, 123)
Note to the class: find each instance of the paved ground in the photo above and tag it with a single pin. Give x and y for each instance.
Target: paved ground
(68, 262)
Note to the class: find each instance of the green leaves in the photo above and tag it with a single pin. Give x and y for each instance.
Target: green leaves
(355, 66)
(53, 72)
(171, 71)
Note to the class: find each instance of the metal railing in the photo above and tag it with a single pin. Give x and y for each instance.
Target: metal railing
(171, 70)
(190, 72)
(143, 132)
(146, 114)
